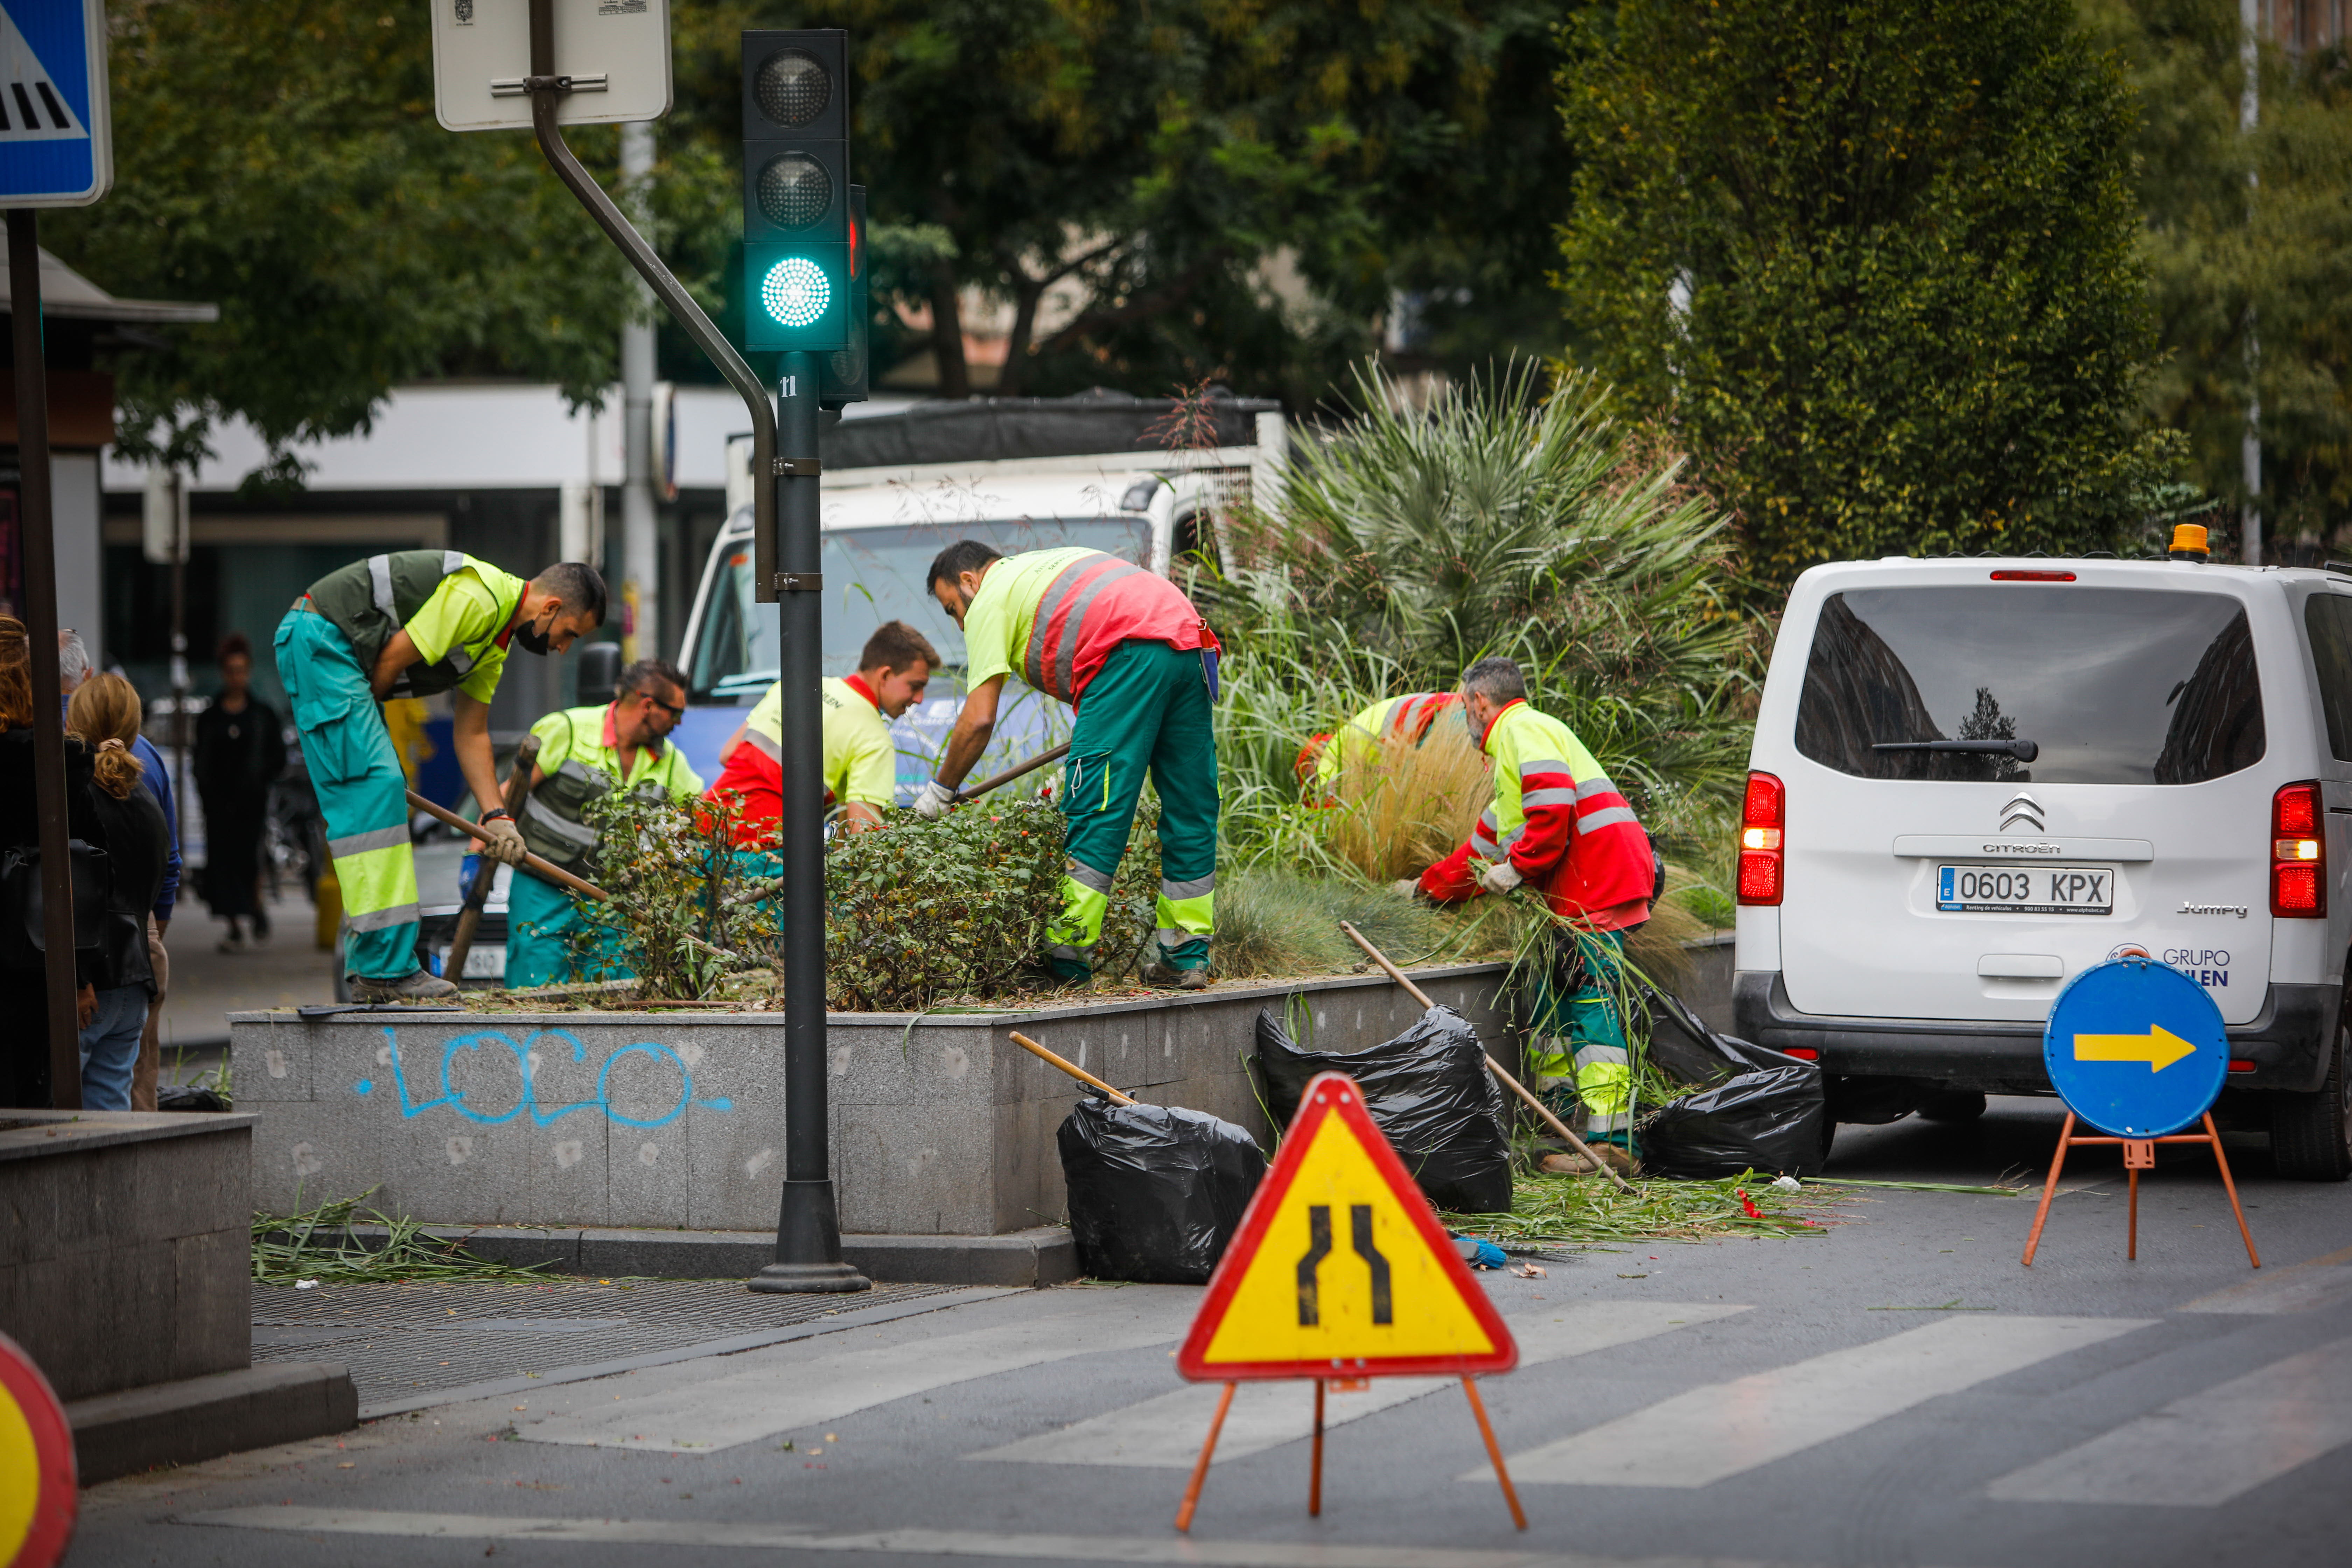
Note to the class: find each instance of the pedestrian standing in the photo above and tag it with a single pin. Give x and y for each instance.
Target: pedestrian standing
(24, 986)
(105, 712)
(240, 751)
(73, 668)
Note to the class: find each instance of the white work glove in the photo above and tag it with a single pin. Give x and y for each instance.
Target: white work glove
(1500, 878)
(1406, 887)
(933, 801)
(504, 844)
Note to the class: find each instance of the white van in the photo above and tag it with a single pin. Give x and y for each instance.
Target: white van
(1972, 779)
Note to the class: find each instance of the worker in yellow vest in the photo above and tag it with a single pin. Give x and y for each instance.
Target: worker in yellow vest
(861, 760)
(1325, 757)
(585, 753)
(410, 624)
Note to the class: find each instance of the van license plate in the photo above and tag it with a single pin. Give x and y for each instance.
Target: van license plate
(2026, 889)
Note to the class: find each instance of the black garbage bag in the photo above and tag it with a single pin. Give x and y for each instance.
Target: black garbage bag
(1156, 1190)
(1430, 1094)
(1762, 1111)
(188, 1097)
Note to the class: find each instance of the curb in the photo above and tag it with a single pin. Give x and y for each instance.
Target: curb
(203, 1417)
(1035, 1257)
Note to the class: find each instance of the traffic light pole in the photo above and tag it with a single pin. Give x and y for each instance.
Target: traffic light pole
(35, 522)
(808, 1228)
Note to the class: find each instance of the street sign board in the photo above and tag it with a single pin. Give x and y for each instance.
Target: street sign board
(56, 141)
(37, 1500)
(1340, 1270)
(617, 53)
(2135, 1048)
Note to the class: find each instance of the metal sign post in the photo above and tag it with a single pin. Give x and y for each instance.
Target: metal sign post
(56, 151)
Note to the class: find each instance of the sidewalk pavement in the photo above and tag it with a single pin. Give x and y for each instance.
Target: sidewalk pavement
(207, 984)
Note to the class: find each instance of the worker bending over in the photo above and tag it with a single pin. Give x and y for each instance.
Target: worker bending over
(585, 754)
(861, 761)
(409, 624)
(1558, 824)
(1322, 760)
(1126, 649)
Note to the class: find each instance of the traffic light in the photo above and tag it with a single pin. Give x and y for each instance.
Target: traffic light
(842, 375)
(798, 250)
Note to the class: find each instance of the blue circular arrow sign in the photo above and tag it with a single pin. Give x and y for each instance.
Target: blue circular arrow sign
(2135, 1048)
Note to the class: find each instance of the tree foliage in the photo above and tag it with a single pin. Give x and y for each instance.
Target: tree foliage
(1876, 263)
(2228, 254)
(281, 158)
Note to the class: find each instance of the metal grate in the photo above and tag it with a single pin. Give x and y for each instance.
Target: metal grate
(405, 1341)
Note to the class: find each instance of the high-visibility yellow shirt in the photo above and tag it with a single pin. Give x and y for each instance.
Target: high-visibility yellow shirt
(591, 737)
(469, 611)
(861, 760)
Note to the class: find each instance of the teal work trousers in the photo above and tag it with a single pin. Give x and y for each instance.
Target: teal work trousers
(544, 937)
(1146, 712)
(362, 793)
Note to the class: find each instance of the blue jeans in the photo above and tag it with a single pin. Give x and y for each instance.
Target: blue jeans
(110, 1049)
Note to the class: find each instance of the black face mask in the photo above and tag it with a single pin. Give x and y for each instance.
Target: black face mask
(533, 639)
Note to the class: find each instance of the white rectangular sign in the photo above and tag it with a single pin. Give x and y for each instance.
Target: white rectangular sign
(615, 51)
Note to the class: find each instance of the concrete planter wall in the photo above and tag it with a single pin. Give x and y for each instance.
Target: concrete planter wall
(942, 1126)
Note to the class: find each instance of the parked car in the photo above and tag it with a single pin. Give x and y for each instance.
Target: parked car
(1973, 779)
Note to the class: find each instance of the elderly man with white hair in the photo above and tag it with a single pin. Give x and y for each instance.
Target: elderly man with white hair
(73, 668)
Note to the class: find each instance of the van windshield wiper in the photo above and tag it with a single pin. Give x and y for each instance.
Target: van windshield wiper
(2023, 750)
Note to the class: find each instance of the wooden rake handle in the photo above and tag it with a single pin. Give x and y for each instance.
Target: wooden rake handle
(555, 874)
(974, 792)
(1075, 1071)
(470, 919)
(1537, 1106)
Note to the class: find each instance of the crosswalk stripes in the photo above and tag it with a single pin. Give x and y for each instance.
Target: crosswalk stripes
(1724, 1429)
(2209, 1447)
(1165, 1432)
(777, 1395)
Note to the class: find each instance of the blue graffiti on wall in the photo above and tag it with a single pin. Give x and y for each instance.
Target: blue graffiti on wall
(454, 1098)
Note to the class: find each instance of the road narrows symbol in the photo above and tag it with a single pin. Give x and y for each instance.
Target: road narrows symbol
(1318, 1227)
(1360, 1221)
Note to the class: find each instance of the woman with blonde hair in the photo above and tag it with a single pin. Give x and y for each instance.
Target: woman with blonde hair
(24, 989)
(105, 713)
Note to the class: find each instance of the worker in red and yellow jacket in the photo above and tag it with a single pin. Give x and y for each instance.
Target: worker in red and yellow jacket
(1558, 825)
(1125, 648)
(1324, 758)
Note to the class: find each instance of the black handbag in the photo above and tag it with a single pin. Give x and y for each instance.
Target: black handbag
(23, 939)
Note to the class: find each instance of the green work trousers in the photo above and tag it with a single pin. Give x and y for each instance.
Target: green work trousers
(1579, 1054)
(1146, 711)
(544, 941)
(363, 793)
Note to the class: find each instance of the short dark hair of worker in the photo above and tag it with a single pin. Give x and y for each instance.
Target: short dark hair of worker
(964, 555)
(1495, 679)
(231, 646)
(577, 584)
(651, 676)
(896, 645)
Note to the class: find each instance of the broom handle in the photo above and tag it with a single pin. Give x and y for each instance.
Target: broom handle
(974, 792)
(1537, 1106)
(555, 874)
(470, 919)
(1075, 1071)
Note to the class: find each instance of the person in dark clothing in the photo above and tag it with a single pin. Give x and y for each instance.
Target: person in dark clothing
(106, 713)
(240, 751)
(24, 992)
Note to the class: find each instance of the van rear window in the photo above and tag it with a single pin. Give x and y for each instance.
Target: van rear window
(2113, 685)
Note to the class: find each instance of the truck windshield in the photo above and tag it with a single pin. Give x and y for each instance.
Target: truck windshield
(2113, 685)
(872, 575)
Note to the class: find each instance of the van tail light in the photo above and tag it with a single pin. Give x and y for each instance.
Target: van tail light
(1763, 817)
(2298, 854)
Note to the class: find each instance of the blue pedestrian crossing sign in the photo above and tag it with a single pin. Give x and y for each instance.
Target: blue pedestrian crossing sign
(2135, 1048)
(55, 150)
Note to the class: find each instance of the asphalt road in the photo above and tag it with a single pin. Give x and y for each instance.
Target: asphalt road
(1897, 1390)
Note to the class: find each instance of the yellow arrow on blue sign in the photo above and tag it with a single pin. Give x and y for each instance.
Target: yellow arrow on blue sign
(2159, 1048)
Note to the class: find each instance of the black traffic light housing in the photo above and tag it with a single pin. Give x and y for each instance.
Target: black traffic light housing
(798, 249)
(842, 377)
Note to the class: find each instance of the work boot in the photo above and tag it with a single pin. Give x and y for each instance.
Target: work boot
(415, 986)
(1166, 976)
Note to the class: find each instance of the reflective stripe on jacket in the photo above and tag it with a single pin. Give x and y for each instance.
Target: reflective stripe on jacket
(1094, 604)
(1563, 823)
